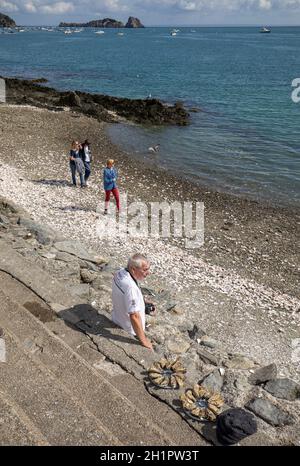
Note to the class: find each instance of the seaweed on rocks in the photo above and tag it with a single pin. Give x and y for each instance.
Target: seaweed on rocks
(98, 106)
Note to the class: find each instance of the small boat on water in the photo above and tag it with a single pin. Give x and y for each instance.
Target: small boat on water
(173, 33)
(99, 32)
(265, 30)
(120, 33)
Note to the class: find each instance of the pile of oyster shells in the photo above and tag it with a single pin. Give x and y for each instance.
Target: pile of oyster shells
(198, 402)
(202, 403)
(167, 373)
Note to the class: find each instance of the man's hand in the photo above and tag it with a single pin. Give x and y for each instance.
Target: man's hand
(138, 329)
(147, 344)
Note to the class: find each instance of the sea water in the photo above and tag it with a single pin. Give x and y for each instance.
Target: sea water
(245, 137)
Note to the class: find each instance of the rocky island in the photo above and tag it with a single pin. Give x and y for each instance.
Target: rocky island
(106, 23)
(134, 23)
(6, 21)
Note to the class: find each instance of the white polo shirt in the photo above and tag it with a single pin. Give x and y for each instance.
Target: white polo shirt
(127, 298)
(87, 154)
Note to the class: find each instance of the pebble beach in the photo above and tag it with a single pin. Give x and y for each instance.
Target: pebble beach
(241, 286)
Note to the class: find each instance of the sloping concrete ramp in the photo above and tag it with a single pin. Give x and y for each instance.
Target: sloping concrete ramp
(70, 377)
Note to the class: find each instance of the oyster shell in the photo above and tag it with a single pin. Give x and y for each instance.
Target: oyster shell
(167, 373)
(202, 403)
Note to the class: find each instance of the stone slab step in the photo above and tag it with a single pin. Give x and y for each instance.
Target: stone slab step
(70, 309)
(115, 412)
(15, 427)
(134, 389)
(60, 418)
(110, 340)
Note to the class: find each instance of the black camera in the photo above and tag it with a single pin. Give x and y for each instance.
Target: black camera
(149, 307)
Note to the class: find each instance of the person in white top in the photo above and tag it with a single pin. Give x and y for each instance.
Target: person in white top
(128, 302)
(86, 156)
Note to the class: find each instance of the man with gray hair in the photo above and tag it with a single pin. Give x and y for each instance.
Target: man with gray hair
(128, 302)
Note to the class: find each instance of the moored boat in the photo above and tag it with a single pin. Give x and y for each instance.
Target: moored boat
(265, 30)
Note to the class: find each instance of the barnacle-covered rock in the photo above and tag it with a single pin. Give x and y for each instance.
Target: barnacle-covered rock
(167, 373)
(202, 403)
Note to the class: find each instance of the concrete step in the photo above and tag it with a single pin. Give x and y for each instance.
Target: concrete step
(71, 309)
(100, 339)
(134, 389)
(116, 413)
(52, 409)
(16, 428)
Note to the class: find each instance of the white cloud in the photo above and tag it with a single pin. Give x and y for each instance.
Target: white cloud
(265, 4)
(142, 8)
(8, 7)
(188, 6)
(220, 5)
(30, 7)
(291, 3)
(113, 5)
(57, 8)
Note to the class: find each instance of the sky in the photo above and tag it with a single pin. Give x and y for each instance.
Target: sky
(156, 12)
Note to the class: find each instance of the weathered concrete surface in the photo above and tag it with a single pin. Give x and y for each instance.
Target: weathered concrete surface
(16, 428)
(56, 414)
(111, 406)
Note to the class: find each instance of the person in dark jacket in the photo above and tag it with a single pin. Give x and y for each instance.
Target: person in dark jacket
(86, 156)
(76, 164)
(110, 176)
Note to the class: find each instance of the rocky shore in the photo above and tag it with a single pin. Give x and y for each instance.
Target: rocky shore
(228, 308)
(100, 107)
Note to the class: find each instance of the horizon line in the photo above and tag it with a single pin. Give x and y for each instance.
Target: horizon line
(168, 25)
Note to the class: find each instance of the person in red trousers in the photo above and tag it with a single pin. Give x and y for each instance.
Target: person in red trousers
(110, 176)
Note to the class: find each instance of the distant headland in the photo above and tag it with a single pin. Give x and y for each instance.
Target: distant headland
(6, 21)
(106, 23)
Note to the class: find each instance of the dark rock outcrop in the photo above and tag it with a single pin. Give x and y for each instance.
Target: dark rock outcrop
(264, 374)
(70, 99)
(134, 23)
(98, 106)
(39, 80)
(6, 21)
(98, 23)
